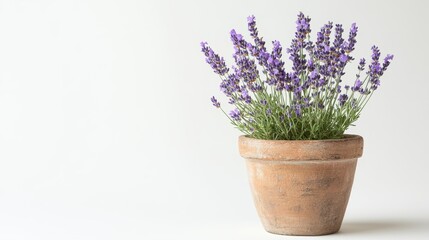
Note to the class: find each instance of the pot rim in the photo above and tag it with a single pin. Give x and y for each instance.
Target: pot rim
(345, 137)
(348, 147)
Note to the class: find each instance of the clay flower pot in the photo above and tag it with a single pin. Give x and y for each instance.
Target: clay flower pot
(301, 187)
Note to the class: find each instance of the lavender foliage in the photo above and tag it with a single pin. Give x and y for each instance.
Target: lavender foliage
(308, 102)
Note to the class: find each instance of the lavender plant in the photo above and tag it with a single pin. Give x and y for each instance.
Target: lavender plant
(308, 102)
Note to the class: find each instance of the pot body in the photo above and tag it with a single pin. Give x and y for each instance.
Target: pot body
(301, 187)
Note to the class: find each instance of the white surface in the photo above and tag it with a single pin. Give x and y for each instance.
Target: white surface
(107, 131)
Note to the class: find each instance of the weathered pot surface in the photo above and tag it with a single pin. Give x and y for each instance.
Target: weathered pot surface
(301, 187)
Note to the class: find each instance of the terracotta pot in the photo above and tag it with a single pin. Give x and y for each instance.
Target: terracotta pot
(301, 187)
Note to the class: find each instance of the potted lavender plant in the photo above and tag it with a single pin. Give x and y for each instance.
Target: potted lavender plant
(301, 164)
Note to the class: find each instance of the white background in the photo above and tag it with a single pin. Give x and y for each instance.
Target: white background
(107, 130)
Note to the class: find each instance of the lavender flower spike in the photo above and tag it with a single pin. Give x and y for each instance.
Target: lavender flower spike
(259, 43)
(352, 38)
(375, 69)
(215, 102)
(342, 99)
(216, 62)
(235, 114)
(299, 43)
(338, 42)
(361, 64)
(357, 86)
(386, 63)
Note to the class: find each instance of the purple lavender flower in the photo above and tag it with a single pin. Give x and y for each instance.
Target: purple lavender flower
(352, 38)
(321, 82)
(246, 68)
(342, 99)
(277, 50)
(361, 64)
(235, 114)
(339, 56)
(299, 43)
(324, 52)
(344, 58)
(303, 25)
(230, 85)
(375, 68)
(327, 33)
(215, 102)
(275, 67)
(338, 42)
(216, 62)
(259, 43)
(386, 63)
(365, 91)
(298, 110)
(310, 65)
(258, 50)
(375, 53)
(238, 41)
(357, 86)
(256, 87)
(323, 49)
(389, 57)
(245, 95)
(314, 75)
